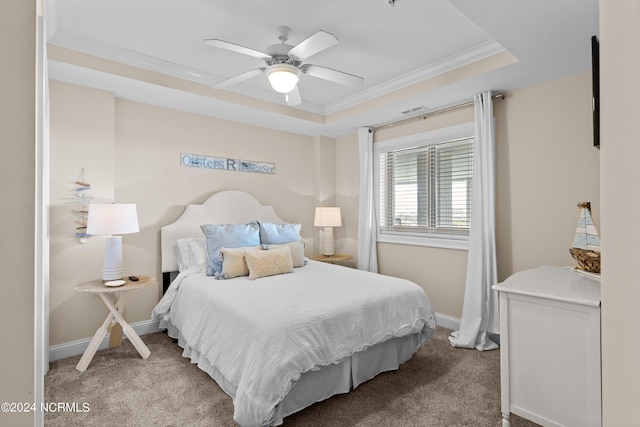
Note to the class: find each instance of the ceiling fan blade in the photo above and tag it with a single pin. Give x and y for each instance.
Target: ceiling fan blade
(293, 98)
(239, 78)
(236, 48)
(317, 42)
(333, 75)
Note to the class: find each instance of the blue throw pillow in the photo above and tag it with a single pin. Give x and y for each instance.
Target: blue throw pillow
(227, 236)
(272, 233)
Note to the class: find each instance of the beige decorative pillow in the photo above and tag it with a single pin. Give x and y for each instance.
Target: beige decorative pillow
(233, 262)
(269, 263)
(297, 251)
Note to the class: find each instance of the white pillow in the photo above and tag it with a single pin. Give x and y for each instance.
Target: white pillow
(192, 254)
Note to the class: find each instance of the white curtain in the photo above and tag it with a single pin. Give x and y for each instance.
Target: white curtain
(367, 223)
(479, 299)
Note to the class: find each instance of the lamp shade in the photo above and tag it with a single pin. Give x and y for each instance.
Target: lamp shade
(121, 218)
(112, 219)
(283, 77)
(327, 217)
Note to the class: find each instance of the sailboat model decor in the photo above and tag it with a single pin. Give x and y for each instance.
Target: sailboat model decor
(586, 245)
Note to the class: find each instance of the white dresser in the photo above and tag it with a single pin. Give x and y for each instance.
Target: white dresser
(550, 347)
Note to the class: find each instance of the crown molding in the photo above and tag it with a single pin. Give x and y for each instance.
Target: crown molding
(135, 59)
(129, 57)
(139, 60)
(469, 56)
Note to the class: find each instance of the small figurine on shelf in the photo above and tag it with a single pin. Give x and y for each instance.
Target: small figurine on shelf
(586, 245)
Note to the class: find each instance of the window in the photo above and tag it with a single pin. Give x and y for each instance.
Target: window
(424, 188)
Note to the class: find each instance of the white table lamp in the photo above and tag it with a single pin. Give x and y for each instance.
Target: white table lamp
(110, 220)
(327, 217)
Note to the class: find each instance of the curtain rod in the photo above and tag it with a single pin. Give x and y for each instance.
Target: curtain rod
(431, 113)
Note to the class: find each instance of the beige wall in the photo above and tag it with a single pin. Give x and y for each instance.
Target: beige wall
(82, 137)
(347, 170)
(130, 153)
(619, 25)
(17, 211)
(620, 180)
(545, 165)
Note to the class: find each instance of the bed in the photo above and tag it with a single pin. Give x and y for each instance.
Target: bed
(277, 343)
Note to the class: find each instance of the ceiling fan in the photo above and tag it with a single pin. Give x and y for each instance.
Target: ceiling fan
(284, 64)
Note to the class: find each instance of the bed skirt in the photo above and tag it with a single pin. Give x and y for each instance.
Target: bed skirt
(317, 385)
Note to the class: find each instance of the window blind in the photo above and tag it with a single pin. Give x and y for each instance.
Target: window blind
(427, 189)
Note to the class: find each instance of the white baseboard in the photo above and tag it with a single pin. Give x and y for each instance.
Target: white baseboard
(448, 322)
(75, 348)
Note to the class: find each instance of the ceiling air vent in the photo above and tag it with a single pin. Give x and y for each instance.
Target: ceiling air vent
(414, 110)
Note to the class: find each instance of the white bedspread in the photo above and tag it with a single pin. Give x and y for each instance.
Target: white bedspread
(261, 335)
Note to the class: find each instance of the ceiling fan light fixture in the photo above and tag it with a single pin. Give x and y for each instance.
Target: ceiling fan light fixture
(283, 77)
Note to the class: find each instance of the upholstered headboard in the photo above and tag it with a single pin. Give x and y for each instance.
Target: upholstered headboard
(225, 207)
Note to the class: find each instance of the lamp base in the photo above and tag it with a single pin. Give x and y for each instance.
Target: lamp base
(113, 269)
(327, 241)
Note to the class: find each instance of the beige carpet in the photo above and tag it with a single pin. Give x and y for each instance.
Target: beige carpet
(439, 386)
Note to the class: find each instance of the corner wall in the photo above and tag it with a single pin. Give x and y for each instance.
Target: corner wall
(620, 180)
(18, 208)
(546, 164)
(130, 153)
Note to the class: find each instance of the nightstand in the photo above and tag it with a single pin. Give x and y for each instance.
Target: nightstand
(115, 320)
(331, 259)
